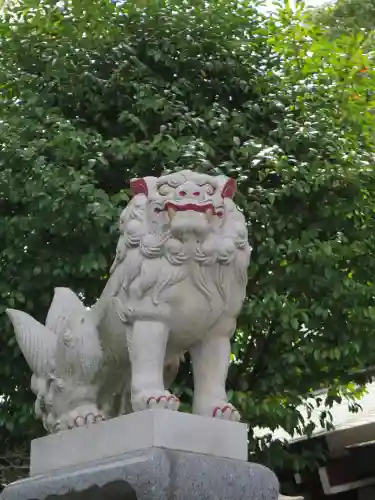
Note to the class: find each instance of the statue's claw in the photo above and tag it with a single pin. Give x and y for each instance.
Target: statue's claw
(88, 419)
(226, 412)
(155, 400)
(82, 416)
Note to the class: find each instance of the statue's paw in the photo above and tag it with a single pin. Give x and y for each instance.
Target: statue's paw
(155, 400)
(83, 416)
(226, 412)
(215, 408)
(167, 402)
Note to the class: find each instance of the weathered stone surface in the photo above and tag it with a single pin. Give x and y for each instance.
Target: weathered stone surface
(152, 475)
(139, 431)
(177, 284)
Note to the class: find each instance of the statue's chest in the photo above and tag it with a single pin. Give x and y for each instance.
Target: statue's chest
(193, 310)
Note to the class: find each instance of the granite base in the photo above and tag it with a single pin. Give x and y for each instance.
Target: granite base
(153, 474)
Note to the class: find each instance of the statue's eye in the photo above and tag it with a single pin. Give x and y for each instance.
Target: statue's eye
(209, 189)
(165, 189)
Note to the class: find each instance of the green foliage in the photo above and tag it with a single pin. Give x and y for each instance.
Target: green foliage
(94, 93)
(343, 15)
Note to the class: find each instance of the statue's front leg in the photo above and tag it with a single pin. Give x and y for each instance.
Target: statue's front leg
(147, 353)
(210, 358)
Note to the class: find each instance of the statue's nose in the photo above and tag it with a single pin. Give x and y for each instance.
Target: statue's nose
(190, 190)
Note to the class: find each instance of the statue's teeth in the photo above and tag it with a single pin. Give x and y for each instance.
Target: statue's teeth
(209, 214)
(171, 212)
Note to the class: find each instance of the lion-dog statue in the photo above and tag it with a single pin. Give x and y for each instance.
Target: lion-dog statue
(177, 285)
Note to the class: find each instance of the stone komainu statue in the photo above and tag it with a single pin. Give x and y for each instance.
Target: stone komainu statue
(177, 284)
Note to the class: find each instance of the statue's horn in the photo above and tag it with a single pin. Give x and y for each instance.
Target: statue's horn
(36, 342)
(65, 306)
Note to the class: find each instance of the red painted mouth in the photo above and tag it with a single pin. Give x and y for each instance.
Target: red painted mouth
(193, 207)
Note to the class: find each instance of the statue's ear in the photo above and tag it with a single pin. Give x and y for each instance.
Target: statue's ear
(229, 189)
(139, 186)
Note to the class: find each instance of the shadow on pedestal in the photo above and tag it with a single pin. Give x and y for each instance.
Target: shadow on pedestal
(112, 491)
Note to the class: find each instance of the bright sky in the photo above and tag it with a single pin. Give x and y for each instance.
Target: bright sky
(312, 3)
(317, 3)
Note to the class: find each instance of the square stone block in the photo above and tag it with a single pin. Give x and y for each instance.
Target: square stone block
(139, 431)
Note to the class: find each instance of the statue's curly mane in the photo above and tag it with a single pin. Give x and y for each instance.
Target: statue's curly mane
(222, 256)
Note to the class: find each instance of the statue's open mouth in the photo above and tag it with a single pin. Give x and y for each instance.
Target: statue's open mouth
(205, 208)
(194, 207)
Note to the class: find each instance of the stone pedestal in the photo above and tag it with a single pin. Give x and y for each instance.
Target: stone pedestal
(151, 455)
